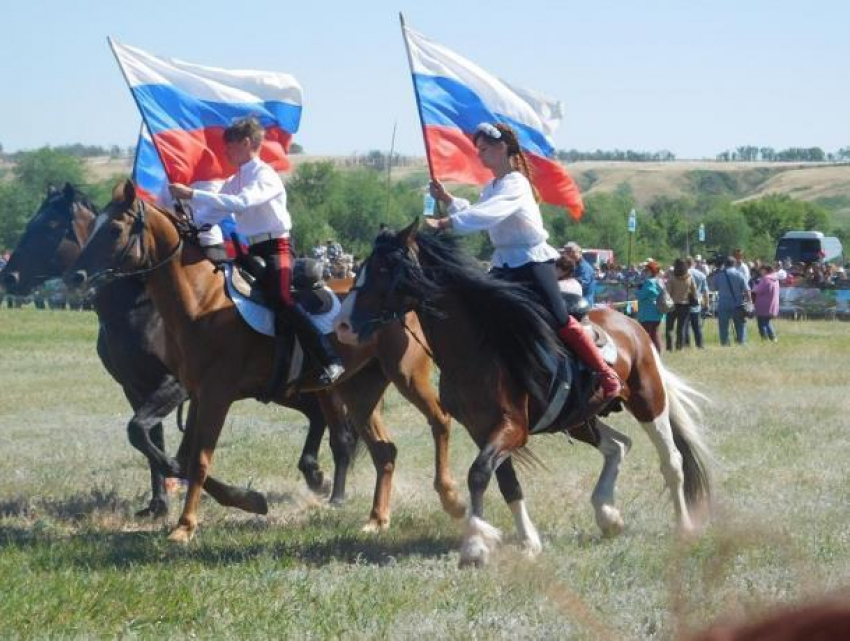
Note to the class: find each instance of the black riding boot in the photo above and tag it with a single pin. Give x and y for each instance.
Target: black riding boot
(316, 344)
(282, 350)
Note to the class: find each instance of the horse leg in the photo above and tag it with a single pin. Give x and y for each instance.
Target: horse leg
(341, 440)
(308, 463)
(210, 410)
(362, 395)
(481, 538)
(145, 433)
(613, 446)
(418, 390)
(661, 434)
(512, 493)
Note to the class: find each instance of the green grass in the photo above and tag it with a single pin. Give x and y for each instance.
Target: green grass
(74, 563)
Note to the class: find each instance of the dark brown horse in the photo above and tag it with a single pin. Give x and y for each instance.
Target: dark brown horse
(488, 338)
(129, 330)
(219, 359)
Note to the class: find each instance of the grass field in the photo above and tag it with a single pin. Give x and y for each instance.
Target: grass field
(74, 563)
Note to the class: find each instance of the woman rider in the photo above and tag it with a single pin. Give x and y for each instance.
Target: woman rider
(508, 210)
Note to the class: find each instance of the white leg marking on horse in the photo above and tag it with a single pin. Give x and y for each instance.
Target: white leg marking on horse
(613, 447)
(528, 535)
(661, 435)
(479, 542)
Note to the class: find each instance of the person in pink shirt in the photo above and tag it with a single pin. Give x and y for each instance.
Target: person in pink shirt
(766, 293)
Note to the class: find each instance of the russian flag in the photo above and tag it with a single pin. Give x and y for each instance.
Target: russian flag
(455, 96)
(186, 107)
(152, 185)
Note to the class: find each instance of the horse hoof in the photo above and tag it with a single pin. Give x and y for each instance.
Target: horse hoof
(610, 522)
(474, 563)
(336, 501)
(181, 534)
(453, 506)
(156, 510)
(375, 527)
(531, 549)
(256, 503)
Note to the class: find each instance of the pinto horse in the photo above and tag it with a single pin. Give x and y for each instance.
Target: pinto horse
(220, 359)
(487, 337)
(129, 331)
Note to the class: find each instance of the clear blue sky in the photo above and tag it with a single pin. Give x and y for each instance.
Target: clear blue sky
(691, 77)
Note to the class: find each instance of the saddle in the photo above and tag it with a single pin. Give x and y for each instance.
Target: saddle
(242, 284)
(307, 287)
(571, 382)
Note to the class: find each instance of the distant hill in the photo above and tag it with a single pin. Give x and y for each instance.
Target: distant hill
(826, 184)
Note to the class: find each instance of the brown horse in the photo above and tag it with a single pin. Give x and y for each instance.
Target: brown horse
(219, 359)
(489, 339)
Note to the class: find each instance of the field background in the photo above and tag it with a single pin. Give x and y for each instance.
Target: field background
(824, 183)
(74, 563)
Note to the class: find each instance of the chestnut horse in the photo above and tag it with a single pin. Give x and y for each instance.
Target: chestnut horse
(129, 330)
(220, 359)
(487, 338)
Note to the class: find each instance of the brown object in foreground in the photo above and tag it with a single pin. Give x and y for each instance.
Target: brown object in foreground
(815, 622)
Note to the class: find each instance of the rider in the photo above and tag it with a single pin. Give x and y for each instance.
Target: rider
(508, 210)
(256, 196)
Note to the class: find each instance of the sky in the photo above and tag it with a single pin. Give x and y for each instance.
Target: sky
(693, 77)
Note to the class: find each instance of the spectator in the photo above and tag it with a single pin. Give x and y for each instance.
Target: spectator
(699, 304)
(584, 273)
(766, 294)
(732, 292)
(648, 315)
(780, 272)
(741, 264)
(683, 291)
(567, 283)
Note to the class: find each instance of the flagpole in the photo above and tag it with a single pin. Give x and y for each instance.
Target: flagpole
(138, 106)
(416, 93)
(390, 166)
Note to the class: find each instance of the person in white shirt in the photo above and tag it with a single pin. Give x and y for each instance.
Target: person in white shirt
(508, 210)
(256, 196)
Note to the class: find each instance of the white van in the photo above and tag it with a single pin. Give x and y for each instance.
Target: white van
(809, 247)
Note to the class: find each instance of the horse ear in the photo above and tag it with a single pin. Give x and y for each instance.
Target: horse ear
(124, 191)
(408, 234)
(68, 191)
(129, 192)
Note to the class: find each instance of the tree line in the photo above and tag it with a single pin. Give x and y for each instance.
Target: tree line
(350, 204)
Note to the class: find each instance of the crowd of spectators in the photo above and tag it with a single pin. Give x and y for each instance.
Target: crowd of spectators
(732, 289)
(336, 263)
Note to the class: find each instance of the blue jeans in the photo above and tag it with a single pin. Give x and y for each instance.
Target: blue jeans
(765, 328)
(738, 320)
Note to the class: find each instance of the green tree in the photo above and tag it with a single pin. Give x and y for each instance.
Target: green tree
(33, 173)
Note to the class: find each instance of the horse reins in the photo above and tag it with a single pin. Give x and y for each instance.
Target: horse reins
(136, 236)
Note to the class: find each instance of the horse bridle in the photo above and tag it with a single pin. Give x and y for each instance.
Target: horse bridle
(136, 237)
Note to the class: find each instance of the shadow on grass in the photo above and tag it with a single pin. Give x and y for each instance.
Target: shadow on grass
(93, 549)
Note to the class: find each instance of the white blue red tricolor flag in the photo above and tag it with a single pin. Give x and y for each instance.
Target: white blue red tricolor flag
(186, 107)
(152, 185)
(455, 96)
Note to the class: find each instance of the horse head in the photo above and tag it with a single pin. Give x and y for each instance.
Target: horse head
(381, 292)
(122, 242)
(51, 241)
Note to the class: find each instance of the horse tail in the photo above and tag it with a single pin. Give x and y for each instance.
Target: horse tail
(686, 423)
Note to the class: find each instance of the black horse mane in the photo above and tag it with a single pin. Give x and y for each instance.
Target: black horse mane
(510, 318)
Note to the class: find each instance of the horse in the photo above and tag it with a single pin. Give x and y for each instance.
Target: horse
(220, 359)
(489, 339)
(130, 329)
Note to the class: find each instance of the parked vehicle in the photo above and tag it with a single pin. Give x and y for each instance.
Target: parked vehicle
(809, 247)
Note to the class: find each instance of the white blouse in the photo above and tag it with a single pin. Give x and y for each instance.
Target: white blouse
(508, 211)
(256, 196)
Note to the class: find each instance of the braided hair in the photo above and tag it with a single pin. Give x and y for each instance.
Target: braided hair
(518, 159)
